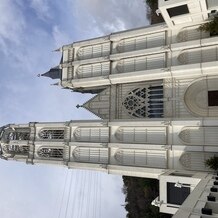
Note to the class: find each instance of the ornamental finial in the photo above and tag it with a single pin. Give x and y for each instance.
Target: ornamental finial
(78, 106)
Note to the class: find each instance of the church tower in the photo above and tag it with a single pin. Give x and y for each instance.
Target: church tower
(167, 70)
(143, 148)
(156, 94)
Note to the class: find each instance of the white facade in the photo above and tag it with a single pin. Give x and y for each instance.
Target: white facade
(156, 94)
(199, 187)
(162, 144)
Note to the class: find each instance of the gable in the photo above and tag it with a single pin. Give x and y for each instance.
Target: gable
(100, 104)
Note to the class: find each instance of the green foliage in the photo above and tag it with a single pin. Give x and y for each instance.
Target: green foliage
(152, 6)
(212, 163)
(211, 26)
(151, 3)
(139, 194)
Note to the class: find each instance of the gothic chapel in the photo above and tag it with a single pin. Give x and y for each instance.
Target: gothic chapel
(156, 94)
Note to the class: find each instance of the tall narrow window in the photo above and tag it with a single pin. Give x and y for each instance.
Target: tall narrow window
(145, 102)
(16, 149)
(92, 134)
(18, 134)
(138, 157)
(51, 134)
(50, 152)
(91, 155)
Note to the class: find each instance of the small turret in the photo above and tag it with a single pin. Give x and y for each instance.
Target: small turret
(14, 141)
(53, 73)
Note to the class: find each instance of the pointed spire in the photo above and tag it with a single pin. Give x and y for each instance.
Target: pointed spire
(53, 73)
(55, 84)
(78, 106)
(57, 50)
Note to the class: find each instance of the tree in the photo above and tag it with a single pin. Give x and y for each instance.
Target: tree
(151, 3)
(211, 26)
(152, 6)
(212, 163)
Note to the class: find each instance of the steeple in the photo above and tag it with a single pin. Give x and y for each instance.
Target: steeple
(53, 73)
(155, 91)
(136, 148)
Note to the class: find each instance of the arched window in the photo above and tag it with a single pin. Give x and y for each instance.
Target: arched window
(200, 97)
(92, 134)
(50, 152)
(145, 102)
(141, 42)
(206, 135)
(17, 134)
(195, 160)
(91, 155)
(138, 157)
(199, 55)
(141, 63)
(143, 135)
(16, 149)
(93, 51)
(93, 70)
(191, 33)
(51, 134)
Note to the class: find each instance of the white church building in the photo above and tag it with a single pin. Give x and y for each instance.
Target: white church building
(156, 94)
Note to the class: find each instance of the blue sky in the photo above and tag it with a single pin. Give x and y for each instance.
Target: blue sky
(29, 31)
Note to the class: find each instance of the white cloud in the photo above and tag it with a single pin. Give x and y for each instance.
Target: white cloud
(60, 37)
(27, 45)
(107, 16)
(41, 8)
(12, 24)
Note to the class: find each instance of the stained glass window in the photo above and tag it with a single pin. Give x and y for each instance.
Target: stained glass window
(145, 102)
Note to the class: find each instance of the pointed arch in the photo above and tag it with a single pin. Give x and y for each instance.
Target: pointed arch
(196, 97)
(199, 135)
(146, 101)
(141, 63)
(195, 160)
(92, 134)
(16, 134)
(15, 149)
(144, 135)
(141, 42)
(93, 51)
(93, 70)
(185, 160)
(51, 134)
(50, 152)
(199, 55)
(146, 158)
(191, 33)
(91, 155)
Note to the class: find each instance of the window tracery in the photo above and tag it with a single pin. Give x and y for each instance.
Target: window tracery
(145, 102)
(17, 134)
(138, 157)
(51, 134)
(50, 152)
(16, 149)
(92, 134)
(91, 155)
